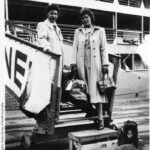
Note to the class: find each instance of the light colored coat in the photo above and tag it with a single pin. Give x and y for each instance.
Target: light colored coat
(44, 67)
(47, 37)
(51, 38)
(99, 57)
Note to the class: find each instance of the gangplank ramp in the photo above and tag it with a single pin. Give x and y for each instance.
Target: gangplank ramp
(17, 124)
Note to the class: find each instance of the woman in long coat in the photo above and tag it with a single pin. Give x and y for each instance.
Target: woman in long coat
(91, 57)
(49, 37)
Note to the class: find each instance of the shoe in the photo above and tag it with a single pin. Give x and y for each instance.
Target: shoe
(100, 124)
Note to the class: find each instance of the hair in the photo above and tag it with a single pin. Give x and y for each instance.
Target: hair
(52, 7)
(87, 11)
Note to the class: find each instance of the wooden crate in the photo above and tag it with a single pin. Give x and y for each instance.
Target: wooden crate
(105, 138)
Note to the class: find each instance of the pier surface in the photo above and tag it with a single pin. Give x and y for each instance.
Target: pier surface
(17, 124)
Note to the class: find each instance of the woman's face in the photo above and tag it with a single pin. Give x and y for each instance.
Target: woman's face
(86, 20)
(52, 15)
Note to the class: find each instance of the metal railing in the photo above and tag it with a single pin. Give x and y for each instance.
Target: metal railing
(22, 31)
(128, 36)
(132, 3)
(110, 35)
(146, 3)
(26, 31)
(68, 31)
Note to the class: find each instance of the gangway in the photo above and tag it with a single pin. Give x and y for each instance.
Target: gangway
(59, 127)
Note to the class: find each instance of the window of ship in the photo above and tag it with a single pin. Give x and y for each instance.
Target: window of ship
(103, 19)
(129, 28)
(69, 15)
(146, 25)
(23, 10)
(129, 22)
(132, 62)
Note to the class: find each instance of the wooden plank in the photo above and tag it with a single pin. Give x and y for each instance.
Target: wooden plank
(23, 127)
(15, 123)
(14, 135)
(17, 114)
(106, 145)
(70, 118)
(125, 107)
(28, 122)
(124, 110)
(142, 125)
(67, 114)
(14, 113)
(91, 135)
(134, 115)
(132, 111)
(137, 119)
(130, 100)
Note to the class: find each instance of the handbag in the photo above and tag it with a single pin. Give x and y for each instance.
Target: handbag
(106, 84)
(79, 91)
(76, 89)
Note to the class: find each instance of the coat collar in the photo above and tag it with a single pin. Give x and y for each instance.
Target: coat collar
(51, 25)
(94, 28)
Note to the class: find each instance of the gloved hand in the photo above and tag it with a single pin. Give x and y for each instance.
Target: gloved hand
(105, 69)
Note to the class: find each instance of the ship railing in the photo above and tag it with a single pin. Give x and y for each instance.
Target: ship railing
(110, 35)
(22, 31)
(146, 3)
(129, 36)
(68, 31)
(132, 3)
(27, 31)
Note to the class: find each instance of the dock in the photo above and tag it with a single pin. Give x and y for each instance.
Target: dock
(17, 124)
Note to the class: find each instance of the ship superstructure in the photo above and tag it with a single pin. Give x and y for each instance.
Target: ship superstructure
(126, 22)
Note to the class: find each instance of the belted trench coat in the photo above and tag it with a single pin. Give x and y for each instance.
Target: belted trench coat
(99, 57)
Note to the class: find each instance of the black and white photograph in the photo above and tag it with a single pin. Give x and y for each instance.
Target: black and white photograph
(75, 74)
